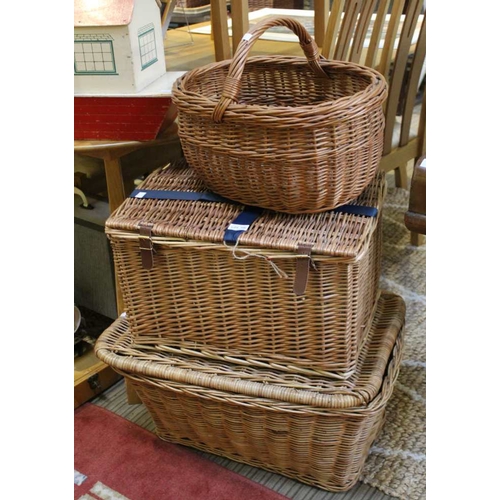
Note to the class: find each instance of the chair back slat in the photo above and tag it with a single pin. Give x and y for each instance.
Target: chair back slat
(347, 29)
(361, 32)
(414, 8)
(389, 36)
(391, 32)
(332, 28)
(408, 96)
(372, 53)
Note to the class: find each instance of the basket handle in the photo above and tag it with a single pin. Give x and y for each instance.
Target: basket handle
(232, 85)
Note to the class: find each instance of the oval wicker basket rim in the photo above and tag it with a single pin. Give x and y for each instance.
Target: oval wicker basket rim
(378, 403)
(107, 349)
(373, 95)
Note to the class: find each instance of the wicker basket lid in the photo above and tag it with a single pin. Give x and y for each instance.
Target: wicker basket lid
(114, 347)
(333, 233)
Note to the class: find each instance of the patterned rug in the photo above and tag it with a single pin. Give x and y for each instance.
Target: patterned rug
(117, 460)
(396, 464)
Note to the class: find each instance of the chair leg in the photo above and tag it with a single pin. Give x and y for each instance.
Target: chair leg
(401, 177)
(416, 239)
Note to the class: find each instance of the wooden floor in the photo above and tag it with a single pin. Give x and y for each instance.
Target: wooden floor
(115, 400)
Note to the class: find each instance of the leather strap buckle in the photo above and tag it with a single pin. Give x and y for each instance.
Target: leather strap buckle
(302, 268)
(146, 244)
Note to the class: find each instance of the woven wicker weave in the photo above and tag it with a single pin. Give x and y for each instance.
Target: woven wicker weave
(205, 298)
(312, 429)
(283, 133)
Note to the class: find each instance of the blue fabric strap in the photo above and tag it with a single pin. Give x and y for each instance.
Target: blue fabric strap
(357, 210)
(241, 224)
(152, 194)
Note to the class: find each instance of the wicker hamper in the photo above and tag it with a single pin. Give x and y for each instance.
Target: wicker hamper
(291, 134)
(296, 292)
(317, 430)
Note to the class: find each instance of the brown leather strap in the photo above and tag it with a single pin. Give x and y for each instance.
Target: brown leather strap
(302, 268)
(146, 244)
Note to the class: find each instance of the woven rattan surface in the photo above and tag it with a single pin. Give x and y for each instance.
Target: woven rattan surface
(295, 135)
(116, 348)
(322, 446)
(218, 301)
(334, 234)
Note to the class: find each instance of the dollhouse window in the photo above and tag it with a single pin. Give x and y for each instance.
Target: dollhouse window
(94, 55)
(147, 46)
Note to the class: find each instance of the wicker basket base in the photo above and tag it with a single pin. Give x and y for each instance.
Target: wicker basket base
(322, 451)
(313, 443)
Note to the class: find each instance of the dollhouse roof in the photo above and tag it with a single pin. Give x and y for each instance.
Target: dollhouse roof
(103, 12)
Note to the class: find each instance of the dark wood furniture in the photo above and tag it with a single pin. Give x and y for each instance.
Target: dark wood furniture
(416, 214)
(92, 375)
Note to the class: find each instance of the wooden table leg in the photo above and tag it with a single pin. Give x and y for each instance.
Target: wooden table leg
(116, 195)
(401, 176)
(239, 19)
(114, 181)
(239, 15)
(218, 16)
(111, 154)
(321, 11)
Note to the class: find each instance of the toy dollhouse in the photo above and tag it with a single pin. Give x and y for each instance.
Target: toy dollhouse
(118, 45)
(122, 89)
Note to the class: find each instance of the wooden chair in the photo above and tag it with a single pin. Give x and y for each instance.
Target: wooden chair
(166, 10)
(415, 217)
(388, 35)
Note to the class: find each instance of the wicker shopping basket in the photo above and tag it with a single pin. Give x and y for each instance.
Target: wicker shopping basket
(285, 133)
(313, 429)
(295, 291)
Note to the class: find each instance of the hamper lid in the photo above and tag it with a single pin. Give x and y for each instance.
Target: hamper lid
(332, 233)
(114, 348)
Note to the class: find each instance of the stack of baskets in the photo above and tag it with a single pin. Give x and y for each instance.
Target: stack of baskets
(250, 332)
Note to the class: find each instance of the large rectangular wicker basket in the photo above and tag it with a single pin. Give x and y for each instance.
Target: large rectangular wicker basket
(314, 429)
(296, 292)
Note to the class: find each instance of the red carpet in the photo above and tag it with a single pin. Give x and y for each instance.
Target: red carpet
(123, 461)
